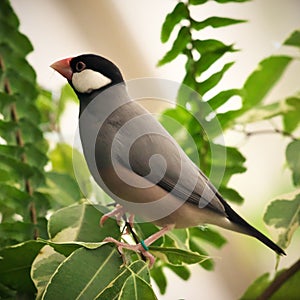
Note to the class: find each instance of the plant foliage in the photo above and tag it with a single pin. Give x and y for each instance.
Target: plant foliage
(63, 256)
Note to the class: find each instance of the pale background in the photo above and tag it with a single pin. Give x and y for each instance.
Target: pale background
(128, 33)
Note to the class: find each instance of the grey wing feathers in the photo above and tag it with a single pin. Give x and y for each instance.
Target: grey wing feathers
(154, 154)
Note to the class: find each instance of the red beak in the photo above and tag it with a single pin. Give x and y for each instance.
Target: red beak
(63, 67)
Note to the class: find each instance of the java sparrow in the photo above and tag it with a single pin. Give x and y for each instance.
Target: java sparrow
(137, 162)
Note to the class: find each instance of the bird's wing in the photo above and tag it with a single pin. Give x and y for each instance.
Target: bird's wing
(154, 154)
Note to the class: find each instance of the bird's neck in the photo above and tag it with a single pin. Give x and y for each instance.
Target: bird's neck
(103, 101)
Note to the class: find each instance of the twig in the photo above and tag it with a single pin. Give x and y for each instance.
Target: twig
(279, 281)
(270, 131)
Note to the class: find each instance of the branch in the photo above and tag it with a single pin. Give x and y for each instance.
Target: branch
(270, 131)
(20, 143)
(279, 281)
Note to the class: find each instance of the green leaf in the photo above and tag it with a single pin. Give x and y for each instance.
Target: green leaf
(21, 85)
(20, 170)
(183, 38)
(288, 290)
(15, 61)
(212, 81)
(66, 159)
(222, 97)
(43, 267)
(293, 160)
(63, 188)
(182, 271)
(16, 40)
(209, 235)
(16, 232)
(207, 263)
(15, 264)
(67, 94)
(176, 256)
(77, 280)
(136, 288)
(227, 1)
(215, 22)
(262, 80)
(81, 223)
(262, 112)
(159, 277)
(293, 39)
(291, 118)
(179, 13)
(230, 194)
(257, 287)
(197, 2)
(284, 214)
(7, 14)
(210, 50)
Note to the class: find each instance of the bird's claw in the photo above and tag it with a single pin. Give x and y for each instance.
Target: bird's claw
(136, 248)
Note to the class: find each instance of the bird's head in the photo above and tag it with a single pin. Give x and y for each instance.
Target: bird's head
(88, 73)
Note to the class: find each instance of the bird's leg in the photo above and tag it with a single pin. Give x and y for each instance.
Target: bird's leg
(142, 247)
(118, 212)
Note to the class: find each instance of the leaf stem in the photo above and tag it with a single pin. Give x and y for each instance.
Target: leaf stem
(279, 281)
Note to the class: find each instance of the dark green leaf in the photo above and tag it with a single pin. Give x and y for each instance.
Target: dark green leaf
(15, 265)
(212, 81)
(159, 277)
(181, 271)
(16, 232)
(16, 40)
(20, 170)
(179, 13)
(262, 80)
(20, 85)
(16, 61)
(197, 2)
(293, 160)
(183, 38)
(293, 39)
(136, 288)
(7, 14)
(231, 195)
(113, 290)
(215, 22)
(75, 279)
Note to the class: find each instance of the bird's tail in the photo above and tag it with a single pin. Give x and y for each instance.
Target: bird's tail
(244, 227)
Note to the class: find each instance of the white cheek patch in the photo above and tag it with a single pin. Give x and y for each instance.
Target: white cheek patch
(88, 80)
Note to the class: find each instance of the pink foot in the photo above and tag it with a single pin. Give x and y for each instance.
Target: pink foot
(118, 212)
(141, 248)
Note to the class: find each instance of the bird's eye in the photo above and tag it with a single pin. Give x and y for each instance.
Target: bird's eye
(80, 66)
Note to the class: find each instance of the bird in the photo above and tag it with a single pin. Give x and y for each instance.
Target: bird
(134, 159)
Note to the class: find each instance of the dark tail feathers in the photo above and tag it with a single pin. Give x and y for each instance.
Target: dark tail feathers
(250, 230)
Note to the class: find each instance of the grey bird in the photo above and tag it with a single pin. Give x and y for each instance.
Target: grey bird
(137, 162)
